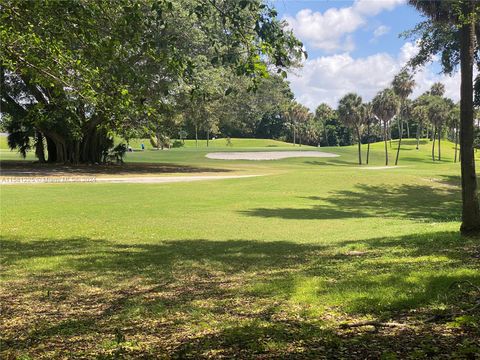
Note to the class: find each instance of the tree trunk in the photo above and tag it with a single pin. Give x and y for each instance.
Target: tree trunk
(439, 141)
(359, 147)
(434, 132)
(385, 139)
(326, 135)
(294, 136)
(52, 150)
(419, 131)
(208, 136)
(368, 141)
(456, 144)
(39, 150)
(400, 135)
(470, 208)
(408, 129)
(196, 135)
(390, 134)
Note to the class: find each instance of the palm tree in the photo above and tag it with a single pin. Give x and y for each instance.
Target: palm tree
(324, 113)
(420, 114)
(350, 114)
(437, 89)
(403, 85)
(464, 15)
(385, 107)
(438, 112)
(368, 118)
(297, 116)
(454, 122)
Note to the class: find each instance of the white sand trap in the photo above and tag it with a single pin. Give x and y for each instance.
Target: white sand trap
(125, 179)
(267, 155)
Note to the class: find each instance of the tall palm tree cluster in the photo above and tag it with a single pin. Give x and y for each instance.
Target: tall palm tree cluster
(391, 114)
(433, 115)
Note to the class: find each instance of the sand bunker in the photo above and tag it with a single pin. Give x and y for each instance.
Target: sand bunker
(267, 155)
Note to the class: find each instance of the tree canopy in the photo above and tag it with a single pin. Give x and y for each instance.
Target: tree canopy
(73, 73)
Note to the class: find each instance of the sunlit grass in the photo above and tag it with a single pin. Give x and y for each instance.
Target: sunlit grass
(243, 266)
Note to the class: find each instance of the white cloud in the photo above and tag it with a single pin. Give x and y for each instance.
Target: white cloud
(374, 7)
(332, 29)
(380, 31)
(326, 31)
(328, 78)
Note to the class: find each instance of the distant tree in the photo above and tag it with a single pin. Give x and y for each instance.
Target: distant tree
(182, 135)
(350, 114)
(403, 85)
(385, 107)
(437, 89)
(303, 119)
(368, 120)
(259, 113)
(438, 112)
(323, 113)
(454, 123)
(420, 114)
(297, 118)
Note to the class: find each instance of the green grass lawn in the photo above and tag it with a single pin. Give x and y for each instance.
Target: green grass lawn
(266, 267)
(217, 143)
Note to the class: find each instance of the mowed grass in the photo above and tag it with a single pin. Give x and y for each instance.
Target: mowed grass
(266, 267)
(235, 143)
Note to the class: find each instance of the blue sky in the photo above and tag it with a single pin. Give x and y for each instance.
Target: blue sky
(354, 46)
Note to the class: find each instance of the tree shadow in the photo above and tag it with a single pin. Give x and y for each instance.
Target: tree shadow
(332, 161)
(202, 298)
(29, 168)
(415, 202)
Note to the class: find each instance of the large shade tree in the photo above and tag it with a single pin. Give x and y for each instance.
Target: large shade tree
(73, 73)
(452, 31)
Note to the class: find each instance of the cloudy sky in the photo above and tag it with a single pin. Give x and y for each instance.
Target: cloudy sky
(354, 46)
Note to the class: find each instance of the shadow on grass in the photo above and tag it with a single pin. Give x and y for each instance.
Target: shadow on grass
(202, 298)
(416, 202)
(332, 161)
(29, 168)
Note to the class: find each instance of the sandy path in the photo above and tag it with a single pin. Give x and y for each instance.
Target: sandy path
(267, 155)
(124, 179)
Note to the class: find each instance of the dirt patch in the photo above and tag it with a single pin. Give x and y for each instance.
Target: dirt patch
(29, 168)
(124, 179)
(267, 155)
(379, 167)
